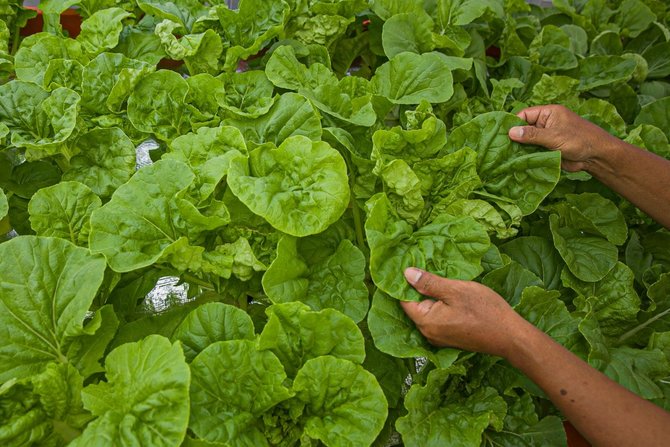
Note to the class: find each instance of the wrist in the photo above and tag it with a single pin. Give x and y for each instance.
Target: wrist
(608, 153)
(526, 341)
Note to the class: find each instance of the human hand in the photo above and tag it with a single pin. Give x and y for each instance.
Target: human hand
(581, 142)
(465, 314)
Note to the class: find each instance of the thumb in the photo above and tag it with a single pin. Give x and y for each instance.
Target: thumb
(432, 285)
(532, 135)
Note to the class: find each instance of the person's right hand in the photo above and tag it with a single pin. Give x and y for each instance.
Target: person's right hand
(463, 314)
(557, 128)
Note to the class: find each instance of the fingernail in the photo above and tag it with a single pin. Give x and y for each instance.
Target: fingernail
(413, 275)
(517, 132)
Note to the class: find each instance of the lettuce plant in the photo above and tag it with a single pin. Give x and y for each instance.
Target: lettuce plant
(304, 154)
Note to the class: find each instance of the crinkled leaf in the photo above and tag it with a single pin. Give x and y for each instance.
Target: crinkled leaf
(38, 120)
(300, 188)
(101, 31)
(349, 410)
(157, 104)
(433, 420)
(133, 229)
(210, 323)
(291, 115)
(233, 385)
(147, 389)
(208, 153)
(106, 160)
(450, 246)
(586, 251)
(250, 26)
(248, 94)
(613, 301)
(109, 79)
(523, 174)
(336, 281)
(38, 50)
(295, 334)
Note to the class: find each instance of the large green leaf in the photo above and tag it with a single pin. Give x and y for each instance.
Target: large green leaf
(210, 323)
(134, 228)
(63, 211)
(208, 153)
(101, 31)
(296, 334)
(38, 50)
(233, 385)
(291, 115)
(579, 237)
(657, 114)
(539, 256)
(409, 78)
(408, 32)
(300, 187)
(523, 174)
(108, 80)
(613, 301)
(450, 246)
(336, 280)
(349, 410)
(43, 304)
(106, 160)
(145, 400)
(250, 26)
(157, 105)
(36, 119)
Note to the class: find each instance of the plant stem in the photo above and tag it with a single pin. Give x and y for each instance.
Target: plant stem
(638, 328)
(358, 224)
(195, 280)
(16, 40)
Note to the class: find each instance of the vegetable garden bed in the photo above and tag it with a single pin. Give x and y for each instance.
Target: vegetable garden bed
(289, 198)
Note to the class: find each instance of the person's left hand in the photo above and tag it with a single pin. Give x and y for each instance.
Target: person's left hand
(465, 314)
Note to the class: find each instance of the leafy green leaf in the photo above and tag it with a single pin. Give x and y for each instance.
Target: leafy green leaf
(409, 78)
(210, 323)
(350, 410)
(450, 246)
(233, 385)
(300, 187)
(146, 389)
(63, 211)
(296, 334)
(335, 281)
(433, 422)
(43, 304)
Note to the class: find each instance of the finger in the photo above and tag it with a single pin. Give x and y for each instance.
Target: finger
(533, 135)
(417, 311)
(432, 285)
(537, 115)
